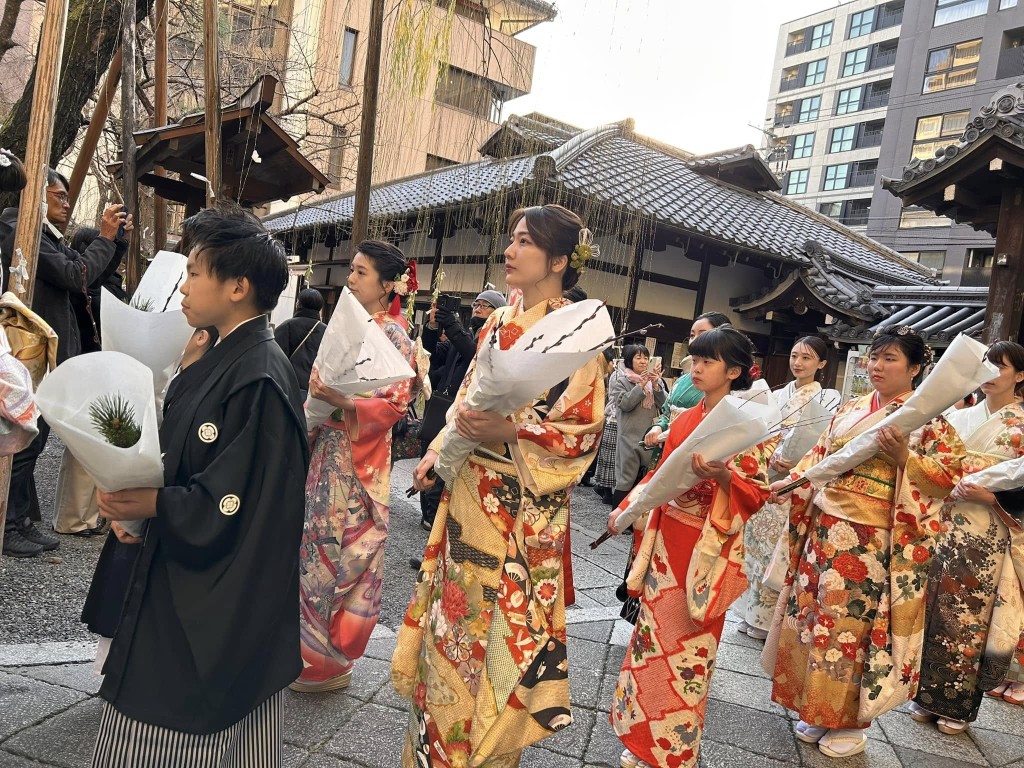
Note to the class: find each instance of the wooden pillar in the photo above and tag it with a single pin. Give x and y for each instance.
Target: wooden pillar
(368, 125)
(635, 271)
(1005, 308)
(160, 117)
(211, 71)
(40, 140)
(92, 136)
(702, 288)
(129, 178)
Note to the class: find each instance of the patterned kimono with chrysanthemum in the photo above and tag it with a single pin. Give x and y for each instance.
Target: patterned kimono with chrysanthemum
(975, 597)
(687, 571)
(845, 644)
(481, 654)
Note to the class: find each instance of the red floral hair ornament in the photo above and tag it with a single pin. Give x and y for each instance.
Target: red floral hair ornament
(406, 284)
(755, 372)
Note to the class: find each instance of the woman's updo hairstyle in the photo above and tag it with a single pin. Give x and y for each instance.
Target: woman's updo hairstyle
(907, 340)
(631, 351)
(556, 231)
(387, 259)
(12, 172)
(730, 346)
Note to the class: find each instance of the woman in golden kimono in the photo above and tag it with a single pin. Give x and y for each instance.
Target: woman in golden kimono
(974, 596)
(763, 530)
(838, 654)
(481, 653)
(687, 572)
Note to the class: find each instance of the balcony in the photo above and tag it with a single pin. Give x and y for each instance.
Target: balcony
(887, 18)
(790, 84)
(798, 46)
(883, 58)
(784, 120)
(1011, 63)
(863, 178)
(869, 139)
(876, 100)
(854, 218)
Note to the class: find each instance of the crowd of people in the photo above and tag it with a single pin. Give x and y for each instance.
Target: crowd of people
(261, 564)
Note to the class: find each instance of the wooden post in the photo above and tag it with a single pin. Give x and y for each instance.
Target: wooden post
(368, 125)
(40, 139)
(635, 271)
(92, 136)
(211, 68)
(1005, 308)
(160, 118)
(129, 179)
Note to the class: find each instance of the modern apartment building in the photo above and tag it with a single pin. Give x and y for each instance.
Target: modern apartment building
(864, 87)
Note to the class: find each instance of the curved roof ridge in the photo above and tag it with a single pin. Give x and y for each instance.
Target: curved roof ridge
(549, 163)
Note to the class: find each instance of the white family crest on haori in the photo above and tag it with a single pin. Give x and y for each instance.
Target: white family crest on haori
(961, 370)
(355, 356)
(65, 398)
(734, 425)
(554, 348)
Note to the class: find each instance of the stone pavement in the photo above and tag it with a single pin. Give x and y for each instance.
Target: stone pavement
(49, 710)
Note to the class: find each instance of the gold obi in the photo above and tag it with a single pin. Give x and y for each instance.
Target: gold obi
(864, 494)
(976, 461)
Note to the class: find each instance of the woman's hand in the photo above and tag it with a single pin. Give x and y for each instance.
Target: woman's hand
(780, 464)
(420, 481)
(711, 470)
(611, 521)
(122, 535)
(484, 426)
(321, 391)
(967, 491)
(130, 504)
(775, 497)
(651, 438)
(894, 444)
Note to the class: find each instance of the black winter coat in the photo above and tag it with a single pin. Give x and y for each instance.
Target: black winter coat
(289, 336)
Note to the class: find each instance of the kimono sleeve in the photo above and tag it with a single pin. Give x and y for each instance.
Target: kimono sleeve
(936, 456)
(376, 415)
(748, 488)
(553, 454)
(201, 520)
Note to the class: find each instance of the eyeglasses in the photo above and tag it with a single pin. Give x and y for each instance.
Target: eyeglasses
(481, 305)
(61, 196)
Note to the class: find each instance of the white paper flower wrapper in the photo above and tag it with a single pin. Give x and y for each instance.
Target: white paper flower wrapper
(355, 356)
(64, 398)
(1005, 476)
(161, 281)
(732, 426)
(155, 339)
(962, 369)
(507, 380)
(803, 436)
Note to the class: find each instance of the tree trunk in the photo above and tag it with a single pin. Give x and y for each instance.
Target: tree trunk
(93, 34)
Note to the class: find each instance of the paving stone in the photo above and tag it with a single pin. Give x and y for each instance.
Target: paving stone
(604, 747)
(912, 758)
(584, 600)
(387, 697)
(731, 637)
(294, 757)
(715, 755)
(11, 760)
(1001, 716)
(744, 690)
(65, 740)
(81, 677)
(585, 688)
(903, 732)
(573, 740)
(310, 719)
(584, 654)
(326, 761)
(367, 678)
(534, 757)
(622, 634)
(373, 736)
(380, 648)
(589, 575)
(25, 701)
(740, 659)
(877, 754)
(998, 748)
(750, 730)
(608, 683)
(598, 631)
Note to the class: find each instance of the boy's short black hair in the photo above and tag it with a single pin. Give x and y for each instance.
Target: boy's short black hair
(233, 244)
(732, 347)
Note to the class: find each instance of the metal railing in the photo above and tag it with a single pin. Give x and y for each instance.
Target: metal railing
(883, 59)
(863, 178)
(876, 100)
(869, 139)
(799, 46)
(782, 120)
(889, 18)
(789, 85)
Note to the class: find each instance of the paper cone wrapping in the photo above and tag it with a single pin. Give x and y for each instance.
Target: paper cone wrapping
(155, 339)
(962, 369)
(507, 380)
(64, 398)
(802, 436)
(355, 356)
(159, 286)
(1005, 476)
(733, 426)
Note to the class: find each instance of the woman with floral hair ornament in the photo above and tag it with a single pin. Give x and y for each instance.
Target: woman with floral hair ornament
(481, 653)
(349, 485)
(838, 654)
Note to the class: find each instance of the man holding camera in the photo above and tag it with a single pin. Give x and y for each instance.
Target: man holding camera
(449, 361)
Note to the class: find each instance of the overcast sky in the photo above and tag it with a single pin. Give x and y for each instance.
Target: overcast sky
(691, 73)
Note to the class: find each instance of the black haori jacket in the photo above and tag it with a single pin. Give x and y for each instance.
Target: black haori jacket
(210, 627)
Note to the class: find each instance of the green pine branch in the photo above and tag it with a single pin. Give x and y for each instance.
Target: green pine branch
(114, 418)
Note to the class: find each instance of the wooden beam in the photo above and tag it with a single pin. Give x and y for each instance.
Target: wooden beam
(368, 124)
(1005, 308)
(160, 116)
(92, 135)
(129, 178)
(961, 195)
(211, 72)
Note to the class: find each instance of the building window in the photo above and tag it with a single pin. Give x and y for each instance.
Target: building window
(348, 56)
(796, 42)
(931, 259)
(803, 145)
(796, 182)
(856, 212)
(336, 155)
(832, 210)
(469, 92)
(955, 66)
(249, 22)
(784, 113)
(849, 100)
(855, 62)
(1004, 4)
(936, 132)
(842, 138)
(821, 35)
(815, 73)
(978, 267)
(809, 109)
(862, 23)
(836, 177)
(915, 217)
(790, 79)
(436, 161)
(948, 11)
